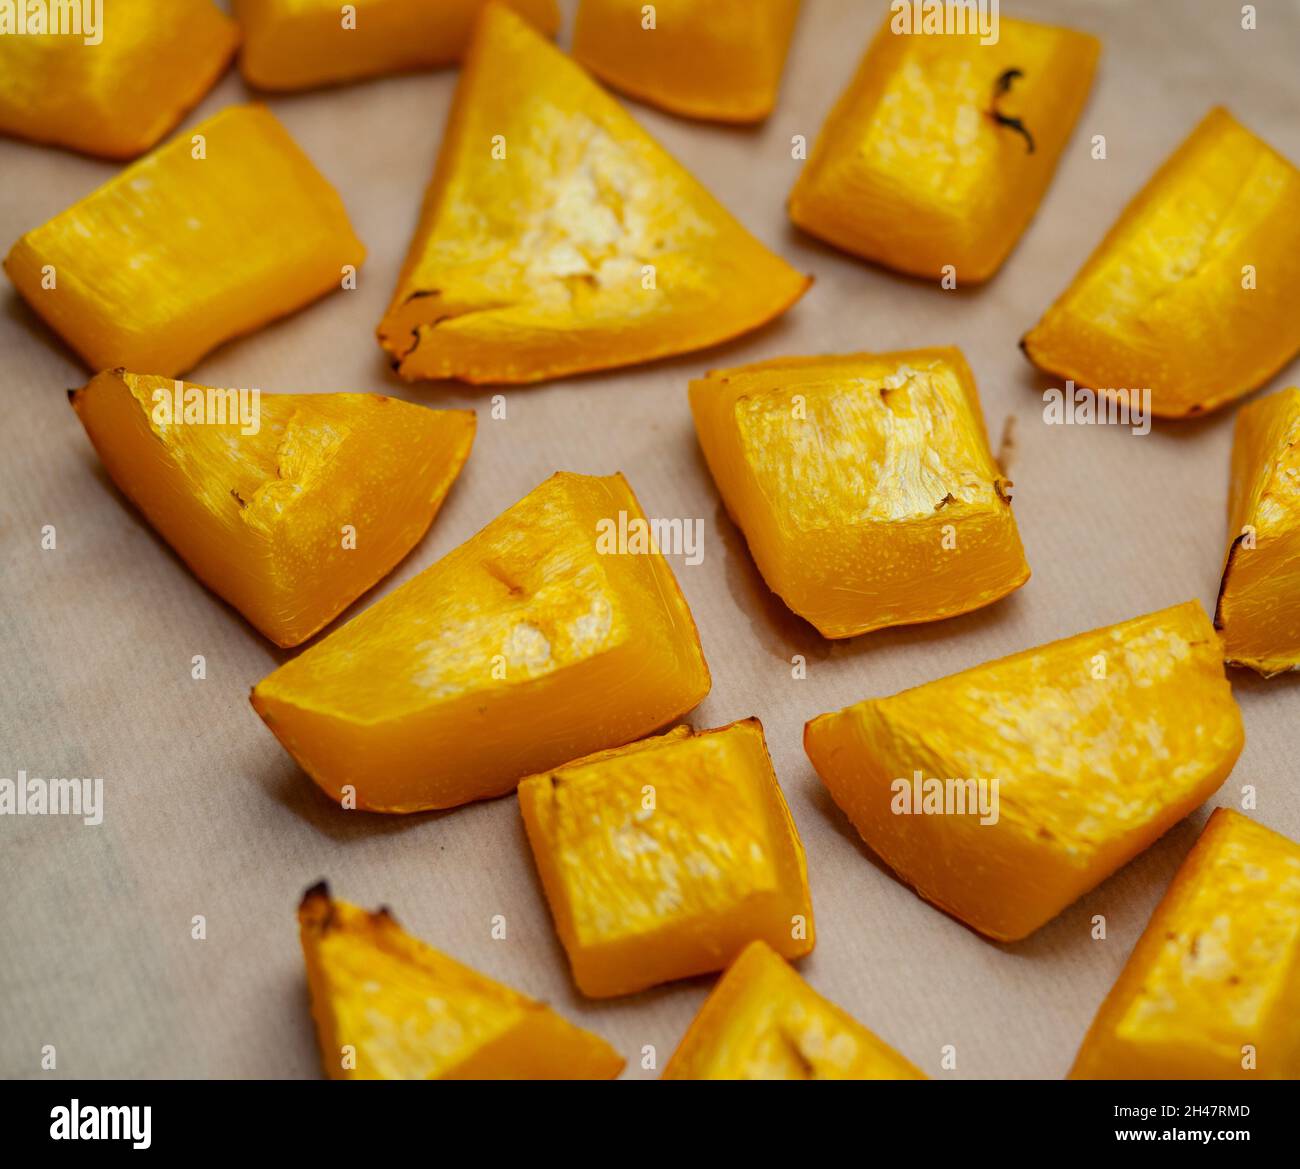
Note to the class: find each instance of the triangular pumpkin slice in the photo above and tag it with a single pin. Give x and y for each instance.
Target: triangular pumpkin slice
(533, 643)
(289, 506)
(762, 1021)
(388, 1007)
(558, 237)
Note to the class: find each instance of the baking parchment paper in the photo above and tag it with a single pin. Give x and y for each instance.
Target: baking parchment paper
(206, 815)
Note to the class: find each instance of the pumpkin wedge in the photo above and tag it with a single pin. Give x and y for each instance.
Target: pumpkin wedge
(763, 1022)
(389, 1007)
(113, 90)
(558, 237)
(719, 60)
(1259, 597)
(936, 156)
(290, 511)
(525, 647)
(216, 233)
(864, 485)
(1003, 793)
(1192, 293)
(665, 858)
(297, 44)
(1212, 989)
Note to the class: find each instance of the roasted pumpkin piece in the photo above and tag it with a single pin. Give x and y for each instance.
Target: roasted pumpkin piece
(525, 647)
(1259, 597)
(290, 509)
(114, 88)
(864, 485)
(1003, 793)
(218, 232)
(389, 1007)
(666, 858)
(558, 237)
(1212, 989)
(942, 147)
(763, 1022)
(1192, 293)
(720, 60)
(296, 44)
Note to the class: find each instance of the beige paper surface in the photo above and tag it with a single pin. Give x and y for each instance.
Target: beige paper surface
(206, 814)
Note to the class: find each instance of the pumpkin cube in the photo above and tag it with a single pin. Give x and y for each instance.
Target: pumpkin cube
(114, 87)
(223, 229)
(938, 153)
(864, 485)
(719, 61)
(297, 44)
(666, 858)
